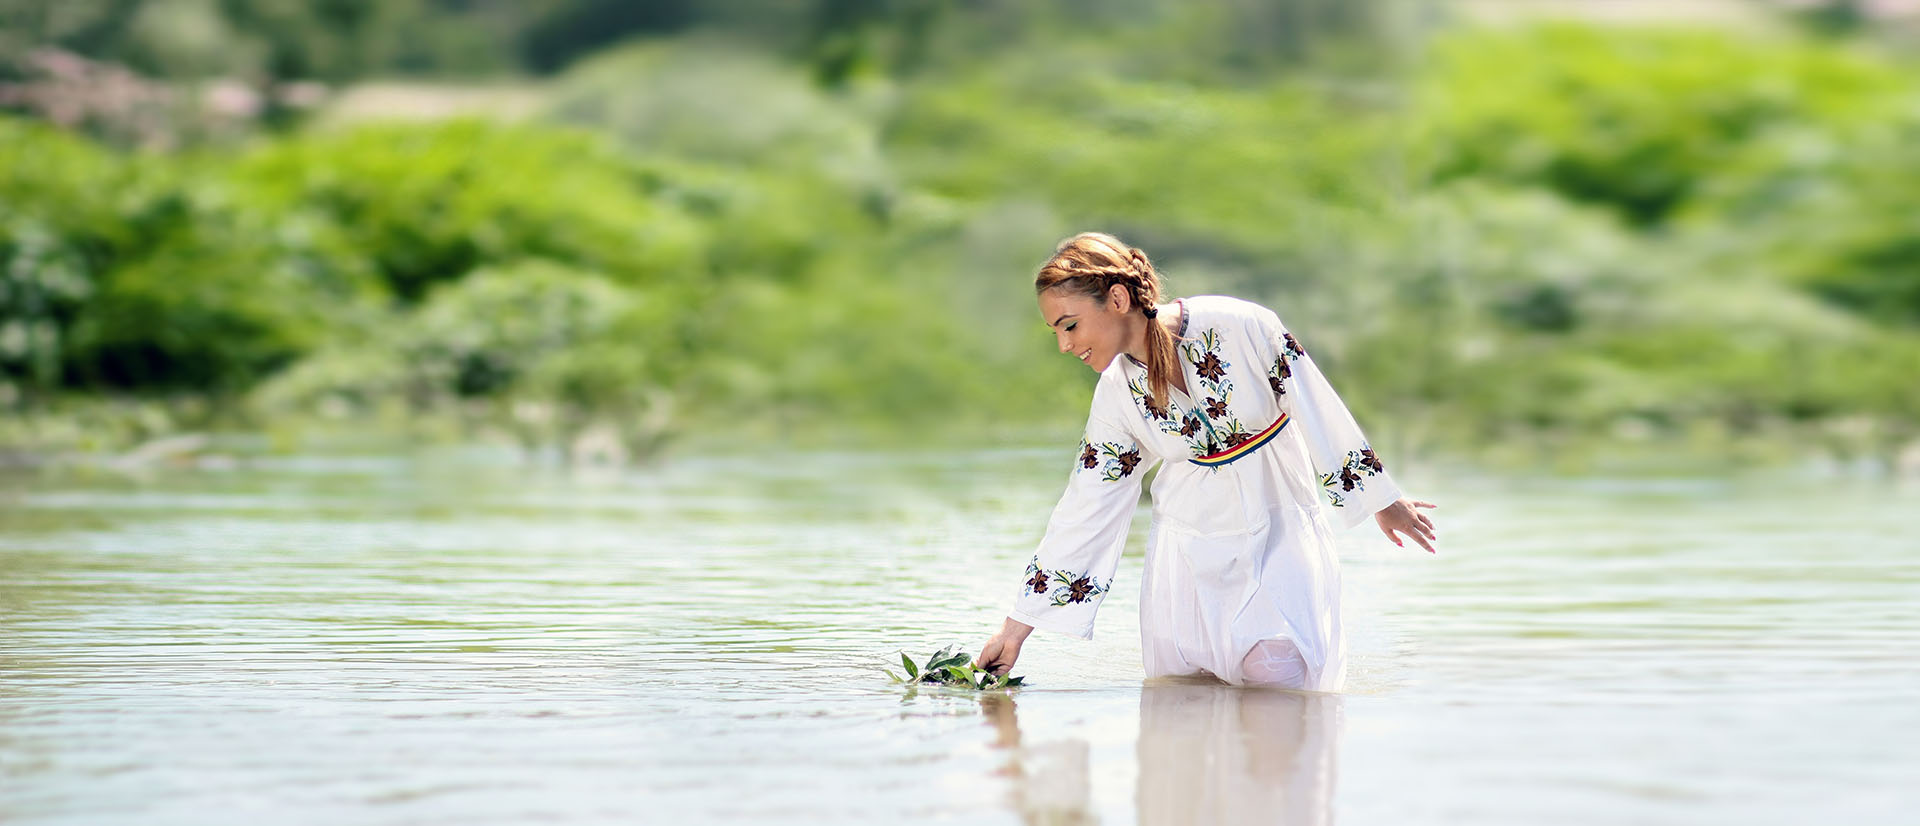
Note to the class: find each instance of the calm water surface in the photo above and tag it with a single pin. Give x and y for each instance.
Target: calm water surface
(377, 641)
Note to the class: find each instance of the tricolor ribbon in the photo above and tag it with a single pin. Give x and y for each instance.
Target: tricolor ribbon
(1242, 449)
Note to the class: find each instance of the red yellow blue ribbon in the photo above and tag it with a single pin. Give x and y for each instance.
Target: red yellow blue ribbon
(1242, 449)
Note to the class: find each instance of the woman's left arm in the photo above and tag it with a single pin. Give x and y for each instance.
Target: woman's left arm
(1353, 477)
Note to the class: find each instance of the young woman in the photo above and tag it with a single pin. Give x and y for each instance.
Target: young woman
(1242, 581)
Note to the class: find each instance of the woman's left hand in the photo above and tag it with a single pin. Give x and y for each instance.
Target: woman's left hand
(1402, 518)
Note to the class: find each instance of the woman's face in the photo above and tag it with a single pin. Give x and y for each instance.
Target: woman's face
(1092, 331)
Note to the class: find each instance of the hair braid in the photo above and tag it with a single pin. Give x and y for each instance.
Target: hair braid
(1090, 264)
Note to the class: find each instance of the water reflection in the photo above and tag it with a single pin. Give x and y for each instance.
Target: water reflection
(1050, 779)
(1208, 754)
(388, 645)
(1212, 753)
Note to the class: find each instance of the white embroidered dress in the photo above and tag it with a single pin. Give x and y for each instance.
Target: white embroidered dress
(1238, 552)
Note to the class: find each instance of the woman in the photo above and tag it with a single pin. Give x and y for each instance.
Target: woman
(1242, 581)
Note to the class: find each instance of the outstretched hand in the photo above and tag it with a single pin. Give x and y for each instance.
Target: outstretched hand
(1000, 652)
(1400, 517)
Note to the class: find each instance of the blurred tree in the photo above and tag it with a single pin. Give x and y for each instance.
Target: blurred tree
(1638, 121)
(428, 204)
(559, 32)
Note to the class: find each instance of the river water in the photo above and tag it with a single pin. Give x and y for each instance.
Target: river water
(462, 639)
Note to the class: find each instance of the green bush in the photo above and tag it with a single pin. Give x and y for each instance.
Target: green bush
(1560, 234)
(132, 273)
(428, 203)
(1638, 120)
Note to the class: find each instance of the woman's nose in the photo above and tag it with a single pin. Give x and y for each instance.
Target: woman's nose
(1062, 338)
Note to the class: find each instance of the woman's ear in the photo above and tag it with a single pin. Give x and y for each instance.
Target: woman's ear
(1118, 300)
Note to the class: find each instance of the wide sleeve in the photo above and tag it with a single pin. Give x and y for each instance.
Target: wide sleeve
(1354, 479)
(1072, 570)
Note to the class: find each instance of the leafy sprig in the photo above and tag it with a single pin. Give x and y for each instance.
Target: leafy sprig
(949, 666)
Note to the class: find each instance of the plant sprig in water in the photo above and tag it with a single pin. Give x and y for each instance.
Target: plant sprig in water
(948, 667)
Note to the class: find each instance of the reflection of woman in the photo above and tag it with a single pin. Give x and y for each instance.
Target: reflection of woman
(1209, 753)
(1214, 754)
(1241, 577)
(1050, 780)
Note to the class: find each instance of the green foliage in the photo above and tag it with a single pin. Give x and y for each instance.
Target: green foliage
(952, 667)
(56, 233)
(427, 204)
(1834, 213)
(541, 350)
(120, 273)
(1552, 236)
(1637, 120)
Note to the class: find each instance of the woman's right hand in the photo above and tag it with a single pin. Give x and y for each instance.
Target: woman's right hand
(1000, 652)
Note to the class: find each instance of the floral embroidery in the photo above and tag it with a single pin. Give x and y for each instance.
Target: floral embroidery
(1211, 368)
(1165, 416)
(1232, 434)
(1372, 461)
(1204, 354)
(1118, 463)
(1038, 582)
(1352, 474)
(1063, 586)
(1217, 429)
(1277, 376)
(1293, 347)
(1152, 408)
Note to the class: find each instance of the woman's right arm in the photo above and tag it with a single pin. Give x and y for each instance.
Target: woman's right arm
(1072, 569)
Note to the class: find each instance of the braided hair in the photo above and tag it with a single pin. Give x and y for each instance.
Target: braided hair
(1090, 264)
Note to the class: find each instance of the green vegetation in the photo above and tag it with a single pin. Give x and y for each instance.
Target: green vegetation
(951, 667)
(1551, 236)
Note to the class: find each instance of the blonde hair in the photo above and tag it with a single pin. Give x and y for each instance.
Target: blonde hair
(1090, 264)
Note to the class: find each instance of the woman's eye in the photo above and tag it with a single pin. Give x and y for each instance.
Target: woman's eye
(1071, 326)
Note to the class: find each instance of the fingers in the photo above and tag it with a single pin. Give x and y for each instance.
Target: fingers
(1420, 530)
(996, 658)
(1391, 530)
(997, 668)
(1424, 535)
(1419, 504)
(988, 656)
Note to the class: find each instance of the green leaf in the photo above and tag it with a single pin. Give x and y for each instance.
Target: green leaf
(950, 661)
(940, 659)
(913, 672)
(960, 674)
(892, 676)
(1013, 681)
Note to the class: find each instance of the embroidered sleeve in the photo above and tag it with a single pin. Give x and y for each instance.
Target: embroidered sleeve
(1353, 478)
(1072, 570)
